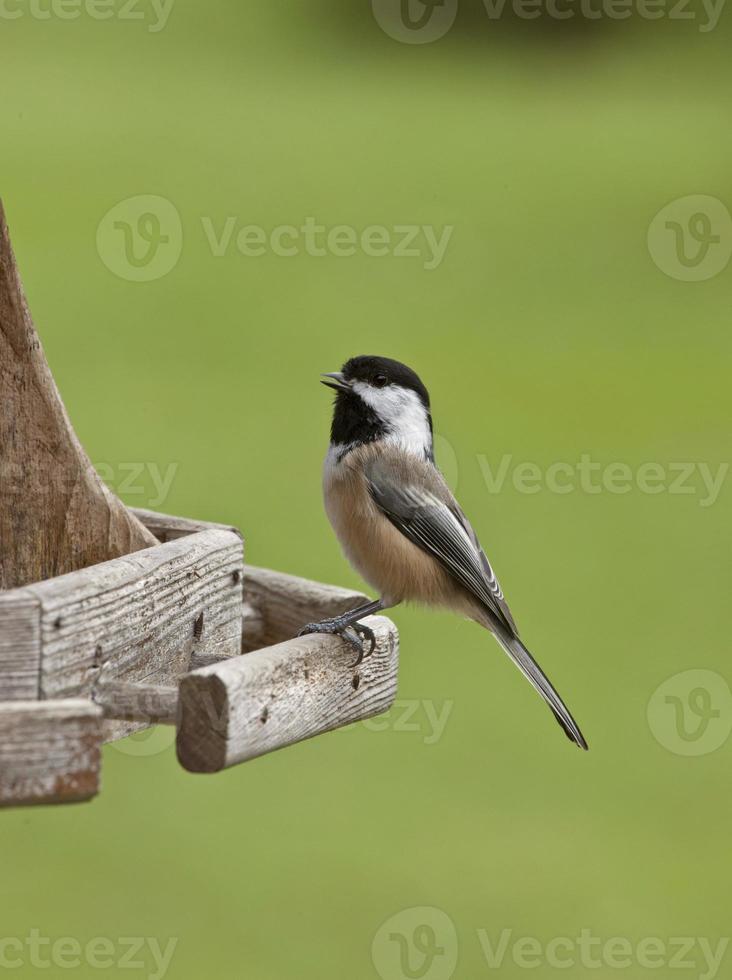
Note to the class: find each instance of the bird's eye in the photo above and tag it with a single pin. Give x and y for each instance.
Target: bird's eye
(380, 381)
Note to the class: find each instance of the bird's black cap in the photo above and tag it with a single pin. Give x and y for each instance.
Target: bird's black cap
(371, 368)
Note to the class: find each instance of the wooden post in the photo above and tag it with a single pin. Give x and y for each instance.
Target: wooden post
(56, 514)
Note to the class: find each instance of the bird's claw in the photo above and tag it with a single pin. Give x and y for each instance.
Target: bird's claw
(357, 634)
(364, 635)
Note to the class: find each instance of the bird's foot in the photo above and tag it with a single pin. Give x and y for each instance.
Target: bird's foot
(357, 634)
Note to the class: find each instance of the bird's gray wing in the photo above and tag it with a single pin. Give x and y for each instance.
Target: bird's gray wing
(488, 573)
(426, 513)
(439, 527)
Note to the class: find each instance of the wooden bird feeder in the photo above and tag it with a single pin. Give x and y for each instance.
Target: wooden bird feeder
(113, 619)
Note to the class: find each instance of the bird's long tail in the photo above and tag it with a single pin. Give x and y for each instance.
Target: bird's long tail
(536, 676)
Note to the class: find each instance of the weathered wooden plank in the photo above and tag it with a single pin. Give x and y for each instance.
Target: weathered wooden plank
(140, 618)
(286, 603)
(246, 706)
(49, 751)
(20, 646)
(167, 527)
(154, 704)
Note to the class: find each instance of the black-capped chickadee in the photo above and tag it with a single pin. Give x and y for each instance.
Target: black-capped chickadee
(398, 522)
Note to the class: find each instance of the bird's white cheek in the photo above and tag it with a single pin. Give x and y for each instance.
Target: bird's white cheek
(403, 414)
(409, 425)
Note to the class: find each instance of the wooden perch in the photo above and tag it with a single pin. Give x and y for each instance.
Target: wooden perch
(56, 514)
(261, 701)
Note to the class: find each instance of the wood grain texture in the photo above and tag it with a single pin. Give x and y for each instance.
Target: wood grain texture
(56, 514)
(246, 706)
(251, 635)
(49, 751)
(124, 633)
(155, 704)
(286, 603)
(141, 617)
(136, 617)
(20, 646)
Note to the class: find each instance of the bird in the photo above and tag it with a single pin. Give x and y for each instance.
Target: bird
(399, 523)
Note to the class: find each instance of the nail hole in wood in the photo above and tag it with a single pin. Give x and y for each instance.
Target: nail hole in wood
(356, 682)
(265, 714)
(198, 627)
(57, 623)
(236, 576)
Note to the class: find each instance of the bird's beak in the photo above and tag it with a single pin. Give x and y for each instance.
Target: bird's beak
(335, 380)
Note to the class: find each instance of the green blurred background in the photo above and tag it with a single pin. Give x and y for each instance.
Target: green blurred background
(546, 333)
